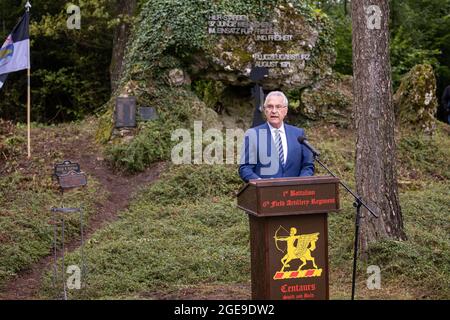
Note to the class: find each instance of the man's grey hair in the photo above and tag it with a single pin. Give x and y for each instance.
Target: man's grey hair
(277, 94)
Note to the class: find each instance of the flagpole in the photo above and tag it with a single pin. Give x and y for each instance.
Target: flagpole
(28, 6)
(29, 113)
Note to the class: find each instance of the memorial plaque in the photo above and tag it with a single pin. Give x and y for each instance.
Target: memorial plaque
(125, 112)
(147, 113)
(72, 179)
(65, 167)
(259, 73)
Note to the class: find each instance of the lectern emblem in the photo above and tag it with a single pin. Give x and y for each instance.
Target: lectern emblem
(297, 247)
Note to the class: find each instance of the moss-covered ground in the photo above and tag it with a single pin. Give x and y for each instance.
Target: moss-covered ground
(28, 192)
(185, 232)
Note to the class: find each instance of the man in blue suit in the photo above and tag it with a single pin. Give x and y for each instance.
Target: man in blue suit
(271, 150)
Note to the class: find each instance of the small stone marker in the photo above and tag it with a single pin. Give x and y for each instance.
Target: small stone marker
(72, 179)
(65, 167)
(147, 113)
(259, 73)
(125, 112)
(69, 175)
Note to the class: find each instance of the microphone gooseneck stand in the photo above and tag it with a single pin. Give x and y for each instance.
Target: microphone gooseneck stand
(357, 204)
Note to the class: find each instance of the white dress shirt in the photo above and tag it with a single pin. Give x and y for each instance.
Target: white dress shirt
(283, 138)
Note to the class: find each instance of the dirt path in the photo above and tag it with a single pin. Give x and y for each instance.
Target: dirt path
(78, 146)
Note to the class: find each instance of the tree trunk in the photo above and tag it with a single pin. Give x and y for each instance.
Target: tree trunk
(121, 36)
(374, 116)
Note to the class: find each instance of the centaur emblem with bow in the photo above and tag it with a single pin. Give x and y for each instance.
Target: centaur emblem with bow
(297, 247)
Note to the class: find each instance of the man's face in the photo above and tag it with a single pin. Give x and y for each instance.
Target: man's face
(275, 111)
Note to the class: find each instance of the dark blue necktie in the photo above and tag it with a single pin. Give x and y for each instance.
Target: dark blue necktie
(279, 146)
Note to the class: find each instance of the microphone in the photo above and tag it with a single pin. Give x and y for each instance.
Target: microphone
(302, 140)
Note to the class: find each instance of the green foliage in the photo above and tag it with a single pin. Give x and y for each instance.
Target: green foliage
(411, 104)
(10, 141)
(177, 29)
(62, 85)
(157, 249)
(105, 126)
(342, 158)
(194, 183)
(420, 34)
(170, 237)
(177, 108)
(150, 145)
(423, 260)
(185, 230)
(166, 27)
(425, 155)
(11, 144)
(69, 76)
(28, 192)
(343, 34)
(405, 56)
(26, 234)
(167, 35)
(209, 91)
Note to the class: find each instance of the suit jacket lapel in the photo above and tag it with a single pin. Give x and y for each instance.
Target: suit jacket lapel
(288, 143)
(270, 142)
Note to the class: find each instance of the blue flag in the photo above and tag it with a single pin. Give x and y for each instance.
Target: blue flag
(15, 52)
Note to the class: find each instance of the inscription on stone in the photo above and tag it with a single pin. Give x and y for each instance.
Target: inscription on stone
(66, 167)
(72, 179)
(240, 25)
(69, 175)
(147, 113)
(125, 112)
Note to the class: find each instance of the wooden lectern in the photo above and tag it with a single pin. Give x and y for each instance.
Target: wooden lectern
(289, 235)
